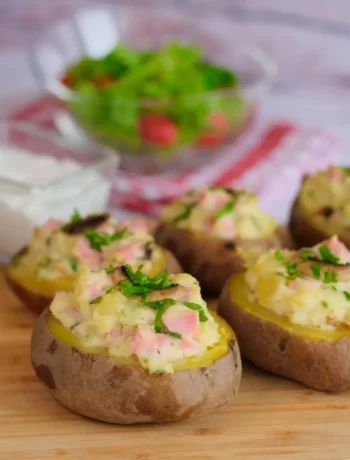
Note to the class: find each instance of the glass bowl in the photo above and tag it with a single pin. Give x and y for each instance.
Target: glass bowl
(204, 123)
(44, 176)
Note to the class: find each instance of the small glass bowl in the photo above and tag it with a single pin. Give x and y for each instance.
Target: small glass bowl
(94, 31)
(28, 200)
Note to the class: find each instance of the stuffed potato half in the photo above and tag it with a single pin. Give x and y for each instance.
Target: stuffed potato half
(126, 357)
(205, 228)
(57, 250)
(291, 313)
(322, 208)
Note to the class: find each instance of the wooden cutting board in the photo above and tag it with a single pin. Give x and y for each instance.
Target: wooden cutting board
(271, 419)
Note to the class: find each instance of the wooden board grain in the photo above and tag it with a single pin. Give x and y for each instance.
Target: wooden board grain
(271, 419)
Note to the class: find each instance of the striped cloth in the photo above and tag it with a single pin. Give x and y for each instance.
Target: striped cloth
(268, 160)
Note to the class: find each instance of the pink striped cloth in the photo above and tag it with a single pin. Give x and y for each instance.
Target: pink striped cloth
(269, 163)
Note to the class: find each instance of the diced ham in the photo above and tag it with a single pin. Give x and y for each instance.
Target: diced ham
(207, 224)
(97, 284)
(146, 343)
(84, 253)
(185, 322)
(213, 200)
(74, 314)
(107, 228)
(335, 174)
(135, 226)
(338, 248)
(124, 253)
(190, 346)
(225, 226)
(52, 224)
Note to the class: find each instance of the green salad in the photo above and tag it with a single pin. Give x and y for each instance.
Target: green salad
(161, 99)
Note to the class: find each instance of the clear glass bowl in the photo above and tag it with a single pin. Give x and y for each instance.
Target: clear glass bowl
(94, 31)
(83, 181)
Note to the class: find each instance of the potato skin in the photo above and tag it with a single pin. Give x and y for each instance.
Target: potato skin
(208, 260)
(38, 302)
(96, 387)
(304, 234)
(320, 365)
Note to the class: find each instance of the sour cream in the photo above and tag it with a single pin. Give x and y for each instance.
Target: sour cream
(36, 187)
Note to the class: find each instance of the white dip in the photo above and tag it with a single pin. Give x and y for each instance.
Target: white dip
(34, 188)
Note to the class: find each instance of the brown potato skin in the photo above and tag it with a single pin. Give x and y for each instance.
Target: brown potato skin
(320, 365)
(38, 302)
(96, 387)
(304, 234)
(207, 259)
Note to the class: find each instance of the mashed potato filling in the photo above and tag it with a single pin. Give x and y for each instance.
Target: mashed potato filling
(324, 199)
(220, 212)
(159, 321)
(310, 287)
(57, 250)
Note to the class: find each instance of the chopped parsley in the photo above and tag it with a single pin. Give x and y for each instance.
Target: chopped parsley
(224, 210)
(139, 283)
(195, 306)
(75, 217)
(185, 214)
(330, 276)
(49, 241)
(347, 295)
(324, 304)
(73, 264)
(109, 269)
(316, 270)
(96, 300)
(306, 254)
(99, 239)
(327, 255)
(291, 267)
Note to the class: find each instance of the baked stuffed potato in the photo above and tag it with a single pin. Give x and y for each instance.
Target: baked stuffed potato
(205, 228)
(291, 313)
(322, 208)
(57, 250)
(127, 348)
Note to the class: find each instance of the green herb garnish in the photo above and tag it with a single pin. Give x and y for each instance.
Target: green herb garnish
(291, 267)
(109, 269)
(306, 254)
(139, 283)
(195, 306)
(316, 270)
(75, 217)
(330, 276)
(73, 264)
(96, 300)
(99, 239)
(185, 214)
(224, 210)
(324, 304)
(327, 255)
(347, 295)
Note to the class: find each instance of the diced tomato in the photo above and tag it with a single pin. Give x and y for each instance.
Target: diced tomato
(158, 130)
(67, 80)
(104, 80)
(185, 322)
(218, 128)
